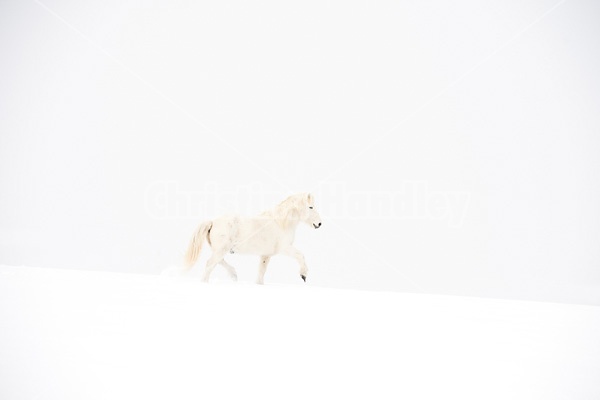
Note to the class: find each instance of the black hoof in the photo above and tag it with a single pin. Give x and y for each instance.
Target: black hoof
(303, 277)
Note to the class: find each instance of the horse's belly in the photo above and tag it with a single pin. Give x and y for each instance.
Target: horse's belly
(255, 245)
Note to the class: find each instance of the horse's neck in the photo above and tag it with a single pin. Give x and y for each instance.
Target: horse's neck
(290, 230)
(292, 225)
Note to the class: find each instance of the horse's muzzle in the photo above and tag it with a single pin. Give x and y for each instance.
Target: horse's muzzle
(317, 225)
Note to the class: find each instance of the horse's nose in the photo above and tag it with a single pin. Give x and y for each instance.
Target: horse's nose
(318, 225)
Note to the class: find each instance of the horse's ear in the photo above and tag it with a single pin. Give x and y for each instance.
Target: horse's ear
(309, 198)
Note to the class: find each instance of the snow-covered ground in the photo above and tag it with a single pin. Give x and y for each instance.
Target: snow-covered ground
(95, 335)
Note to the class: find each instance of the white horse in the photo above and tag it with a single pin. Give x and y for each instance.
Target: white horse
(267, 234)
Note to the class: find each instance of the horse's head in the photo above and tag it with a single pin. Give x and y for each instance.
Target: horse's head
(297, 208)
(307, 211)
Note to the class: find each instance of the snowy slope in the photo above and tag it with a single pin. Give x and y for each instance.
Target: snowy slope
(92, 335)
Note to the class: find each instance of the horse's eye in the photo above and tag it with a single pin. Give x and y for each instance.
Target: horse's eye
(310, 207)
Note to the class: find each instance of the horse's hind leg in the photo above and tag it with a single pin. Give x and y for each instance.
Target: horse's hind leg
(215, 259)
(262, 268)
(230, 270)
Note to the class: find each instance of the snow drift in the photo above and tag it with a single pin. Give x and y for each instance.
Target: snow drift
(95, 335)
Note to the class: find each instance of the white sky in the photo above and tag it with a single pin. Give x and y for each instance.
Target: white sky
(484, 116)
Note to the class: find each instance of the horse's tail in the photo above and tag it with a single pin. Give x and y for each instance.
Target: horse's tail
(193, 251)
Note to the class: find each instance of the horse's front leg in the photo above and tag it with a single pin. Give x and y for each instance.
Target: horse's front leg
(262, 268)
(293, 252)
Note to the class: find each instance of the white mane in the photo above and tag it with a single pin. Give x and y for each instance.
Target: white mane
(287, 211)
